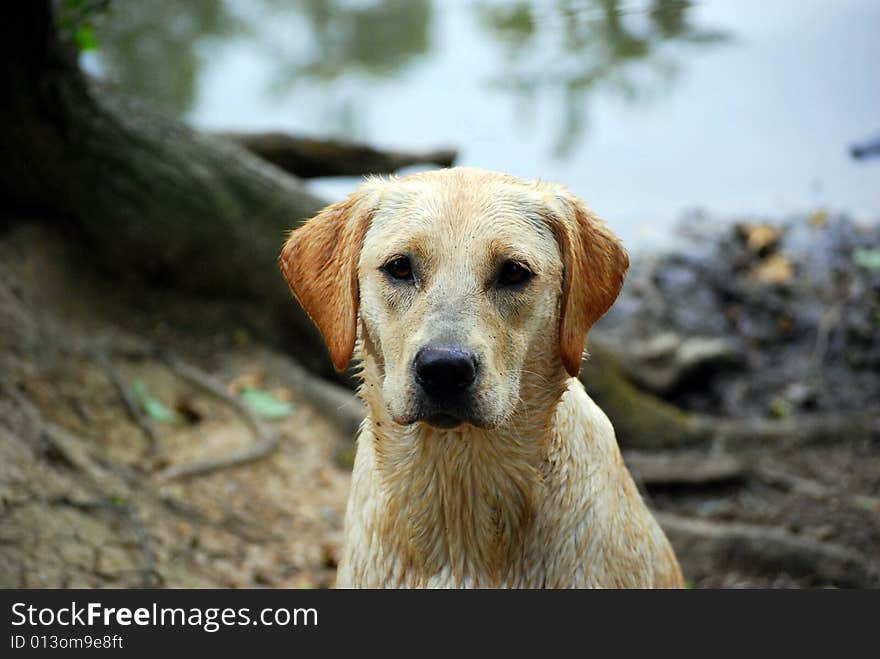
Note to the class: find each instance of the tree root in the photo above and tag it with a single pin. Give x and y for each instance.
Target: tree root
(769, 551)
(267, 440)
(685, 468)
(131, 405)
(337, 404)
(831, 428)
(815, 490)
(697, 469)
(66, 445)
(150, 577)
(645, 421)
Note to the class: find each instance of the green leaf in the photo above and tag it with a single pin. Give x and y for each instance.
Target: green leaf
(265, 404)
(85, 39)
(152, 407)
(867, 258)
(780, 408)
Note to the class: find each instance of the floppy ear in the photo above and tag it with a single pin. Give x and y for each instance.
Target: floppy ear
(595, 265)
(319, 261)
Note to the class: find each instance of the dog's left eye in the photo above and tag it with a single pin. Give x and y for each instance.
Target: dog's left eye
(514, 274)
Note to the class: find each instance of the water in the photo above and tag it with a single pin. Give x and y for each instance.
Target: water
(645, 109)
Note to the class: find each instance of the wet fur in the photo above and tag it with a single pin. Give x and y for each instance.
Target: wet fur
(537, 495)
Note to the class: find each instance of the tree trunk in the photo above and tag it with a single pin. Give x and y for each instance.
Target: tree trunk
(151, 195)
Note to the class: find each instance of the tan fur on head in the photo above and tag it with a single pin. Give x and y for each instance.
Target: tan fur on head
(324, 253)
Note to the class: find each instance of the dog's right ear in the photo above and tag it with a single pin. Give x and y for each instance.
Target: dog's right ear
(319, 262)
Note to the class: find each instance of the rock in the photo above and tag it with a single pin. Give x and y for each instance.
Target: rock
(662, 363)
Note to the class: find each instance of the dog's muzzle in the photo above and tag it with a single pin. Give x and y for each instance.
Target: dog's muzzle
(446, 374)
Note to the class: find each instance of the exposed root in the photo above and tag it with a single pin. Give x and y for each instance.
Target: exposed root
(131, 405)
(64, 444)
(685, 468)
(267, 440)
(814, 429)
(150, 577)
(815, 490)
(334, 402)
(769, 551)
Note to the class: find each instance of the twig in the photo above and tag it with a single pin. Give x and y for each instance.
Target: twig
(815, 489)
(827, 323)
(131, 405)
(267, 440)
(150, 577)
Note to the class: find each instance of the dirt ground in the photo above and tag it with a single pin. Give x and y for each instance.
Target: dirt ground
(83, 502)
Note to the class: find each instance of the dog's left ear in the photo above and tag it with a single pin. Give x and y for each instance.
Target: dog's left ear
(595, 263)
(320, 263)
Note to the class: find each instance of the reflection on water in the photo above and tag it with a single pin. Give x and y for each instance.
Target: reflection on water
(156, 49)
(379, 38)
(645, 108)
(576, 47)
(152, 48)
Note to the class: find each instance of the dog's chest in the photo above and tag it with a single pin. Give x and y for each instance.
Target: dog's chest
(462, 524)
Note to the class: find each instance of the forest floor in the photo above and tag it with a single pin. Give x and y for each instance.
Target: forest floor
(89, 497)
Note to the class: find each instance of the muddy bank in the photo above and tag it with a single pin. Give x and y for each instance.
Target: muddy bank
(759, 319)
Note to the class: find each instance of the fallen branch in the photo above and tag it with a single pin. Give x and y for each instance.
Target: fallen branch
(700, 469)
(867, 149)
(684, 468)
(311, 158)
(267, 440)
(831, 428)
(815, 490)
(769, 550)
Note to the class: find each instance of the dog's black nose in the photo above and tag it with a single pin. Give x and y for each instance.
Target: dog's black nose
(445, 370)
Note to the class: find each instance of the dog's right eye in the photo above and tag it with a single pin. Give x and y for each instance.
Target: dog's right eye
(399, 268)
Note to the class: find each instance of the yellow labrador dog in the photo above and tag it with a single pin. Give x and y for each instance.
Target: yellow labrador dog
(468, 296)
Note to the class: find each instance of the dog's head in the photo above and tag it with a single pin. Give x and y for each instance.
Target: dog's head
(464, 281)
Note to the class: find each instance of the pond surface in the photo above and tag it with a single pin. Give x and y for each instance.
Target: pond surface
(644, 109)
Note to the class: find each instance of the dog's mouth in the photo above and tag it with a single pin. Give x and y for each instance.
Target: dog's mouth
(443, 420)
